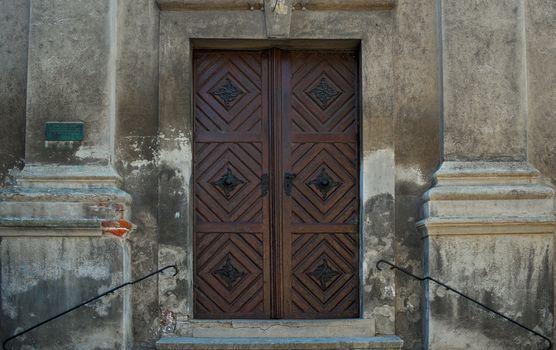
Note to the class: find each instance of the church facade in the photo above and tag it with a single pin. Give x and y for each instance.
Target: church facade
(275, 151)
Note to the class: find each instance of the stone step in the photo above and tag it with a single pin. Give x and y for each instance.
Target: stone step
(333, 343)
(356, 327)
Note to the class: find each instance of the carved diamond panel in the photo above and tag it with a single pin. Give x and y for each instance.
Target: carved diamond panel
(324, 183)
(324, 93)
(229, 273)
(324, 274)
(227, 183)
(325, 190)
(227, 93)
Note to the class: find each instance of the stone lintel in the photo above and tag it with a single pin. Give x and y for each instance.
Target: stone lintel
(278, 18)
(311, 5)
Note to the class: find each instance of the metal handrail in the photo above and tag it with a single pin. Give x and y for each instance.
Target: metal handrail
(488, 308)
(89, 301)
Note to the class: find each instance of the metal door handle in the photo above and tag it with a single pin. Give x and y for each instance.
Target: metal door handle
(288, 183)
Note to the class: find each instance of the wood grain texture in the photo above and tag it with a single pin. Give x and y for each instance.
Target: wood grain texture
(231, 213)
(321, 216)
(277, 255)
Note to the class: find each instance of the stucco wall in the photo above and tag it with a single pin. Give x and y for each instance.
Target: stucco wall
(14, 29)
(541, 80)
(136, 152)
(417, 130)
(43, 277)
(149, 153)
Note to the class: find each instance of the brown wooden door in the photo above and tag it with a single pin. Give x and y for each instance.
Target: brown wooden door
(276, 184)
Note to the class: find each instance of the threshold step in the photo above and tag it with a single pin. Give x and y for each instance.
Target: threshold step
(335, 343)
(356, 327)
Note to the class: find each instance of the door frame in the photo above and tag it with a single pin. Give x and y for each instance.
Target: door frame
(180, 32)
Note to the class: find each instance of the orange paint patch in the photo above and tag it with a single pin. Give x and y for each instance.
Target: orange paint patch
(116, 227)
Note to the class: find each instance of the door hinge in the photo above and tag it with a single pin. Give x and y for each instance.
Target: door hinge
(264, 184)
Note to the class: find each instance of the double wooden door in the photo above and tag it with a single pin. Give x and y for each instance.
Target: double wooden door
(276, 191)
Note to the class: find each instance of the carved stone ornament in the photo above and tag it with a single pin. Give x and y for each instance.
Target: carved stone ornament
(228, 272)
(324, 273)
(324, 183)
(227, 93)
(278, 15)
(228, 182)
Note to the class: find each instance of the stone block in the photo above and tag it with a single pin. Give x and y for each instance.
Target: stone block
(334, 343)
(43, 276)
(277, 328)
(489, 232)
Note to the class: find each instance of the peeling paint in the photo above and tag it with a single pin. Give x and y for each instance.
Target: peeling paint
(410, 174)
(378, 168)
(92, 152)
(177, 158)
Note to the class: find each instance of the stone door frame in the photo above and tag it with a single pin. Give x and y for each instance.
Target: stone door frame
(372, 31)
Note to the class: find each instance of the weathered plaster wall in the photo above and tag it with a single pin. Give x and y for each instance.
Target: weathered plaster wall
(14, 29)
(541, 82)
(513, 274)
(417, 140)
(136, 152)
(75, 84)
(377, 148)
(485, 118)
(484, 80)
(377, 151)
(71, 78)
(41, 277)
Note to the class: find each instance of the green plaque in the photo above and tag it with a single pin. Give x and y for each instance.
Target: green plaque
(64, 131)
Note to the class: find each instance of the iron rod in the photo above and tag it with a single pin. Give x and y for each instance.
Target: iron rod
(488, 308)
(88, 301)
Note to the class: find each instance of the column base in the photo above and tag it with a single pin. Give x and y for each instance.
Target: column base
(64, 201)
(489, 232)
(61, 231)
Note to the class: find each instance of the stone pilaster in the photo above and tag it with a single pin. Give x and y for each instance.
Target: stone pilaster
(71, 77)
(488, 222)
(63, 222)
(484, 80)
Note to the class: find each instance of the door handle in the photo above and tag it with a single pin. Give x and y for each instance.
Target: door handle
(264, 184)
(288, 183)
